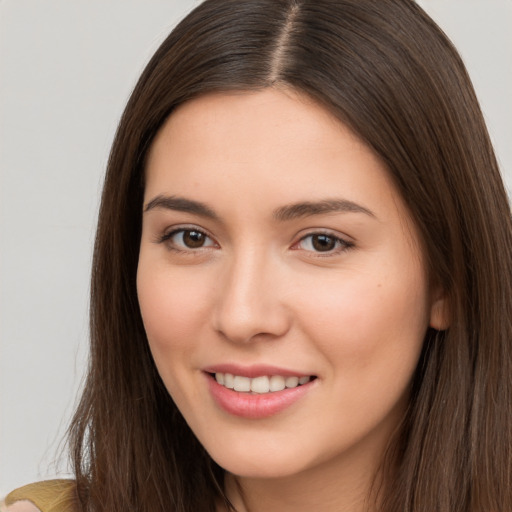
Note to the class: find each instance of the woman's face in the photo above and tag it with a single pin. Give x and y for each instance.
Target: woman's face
(276, 253)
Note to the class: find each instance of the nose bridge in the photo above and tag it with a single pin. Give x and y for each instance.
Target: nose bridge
(249, 302)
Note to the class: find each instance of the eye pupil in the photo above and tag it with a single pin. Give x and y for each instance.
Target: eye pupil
(323, 243)
(193, 239)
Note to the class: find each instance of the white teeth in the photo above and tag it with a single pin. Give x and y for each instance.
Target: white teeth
(260, 385)
(277, 383)
(292, 382)
(229, 380)
(242, 383)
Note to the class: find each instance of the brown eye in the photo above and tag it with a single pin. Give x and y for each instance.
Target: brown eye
(323, 243)
(193, 239)
(185, 239)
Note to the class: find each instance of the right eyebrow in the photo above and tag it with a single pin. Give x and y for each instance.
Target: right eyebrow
(181, 204)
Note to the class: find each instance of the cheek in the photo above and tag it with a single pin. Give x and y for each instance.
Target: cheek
(371, 333)
(173, 308)
(174, 311)
(369, 324)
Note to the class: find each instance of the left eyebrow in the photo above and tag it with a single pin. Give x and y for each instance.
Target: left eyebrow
(307, 209)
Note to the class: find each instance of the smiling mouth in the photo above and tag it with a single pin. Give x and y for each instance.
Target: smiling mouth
(260, 385)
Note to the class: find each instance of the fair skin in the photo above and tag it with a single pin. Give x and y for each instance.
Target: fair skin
(274, 243)
(20, 506)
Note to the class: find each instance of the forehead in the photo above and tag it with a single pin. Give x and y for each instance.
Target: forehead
(277, 105)
(241, 147)
(279, 135)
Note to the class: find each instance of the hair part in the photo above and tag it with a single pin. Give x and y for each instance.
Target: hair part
(278, 59)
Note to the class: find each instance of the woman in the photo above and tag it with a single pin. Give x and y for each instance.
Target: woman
(301, 292)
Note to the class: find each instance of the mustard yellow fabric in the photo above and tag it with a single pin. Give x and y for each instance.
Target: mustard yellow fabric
(47, 496)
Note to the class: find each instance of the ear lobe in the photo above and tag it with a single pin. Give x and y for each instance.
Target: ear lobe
(440, 313)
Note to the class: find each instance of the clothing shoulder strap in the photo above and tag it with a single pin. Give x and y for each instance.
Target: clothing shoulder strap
(47, 496)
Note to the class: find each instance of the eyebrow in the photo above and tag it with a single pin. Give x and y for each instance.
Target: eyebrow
(283, 213)
(182, 205)
(307, 209)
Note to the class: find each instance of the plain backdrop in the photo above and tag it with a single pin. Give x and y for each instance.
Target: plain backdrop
(66, 70)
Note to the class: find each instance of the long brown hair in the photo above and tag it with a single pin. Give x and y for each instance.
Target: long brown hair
(389, 73)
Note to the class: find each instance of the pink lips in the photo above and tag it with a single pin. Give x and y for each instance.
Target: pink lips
(254, 406)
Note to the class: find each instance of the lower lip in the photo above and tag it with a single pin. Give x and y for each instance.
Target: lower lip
(256, 406)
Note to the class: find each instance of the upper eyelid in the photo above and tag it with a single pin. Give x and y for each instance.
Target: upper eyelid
(325, 231)
(166, 239)
(335, 237)
(166, 235)
(186, 227)
(345, 242)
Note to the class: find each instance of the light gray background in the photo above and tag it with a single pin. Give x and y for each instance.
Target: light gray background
(66, 70)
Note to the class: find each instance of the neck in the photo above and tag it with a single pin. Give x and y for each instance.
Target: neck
(326, 488)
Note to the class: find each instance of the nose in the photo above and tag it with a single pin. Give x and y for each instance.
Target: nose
(250, 303)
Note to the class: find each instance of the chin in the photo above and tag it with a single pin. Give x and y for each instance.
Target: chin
(264, 461)
(255, 469)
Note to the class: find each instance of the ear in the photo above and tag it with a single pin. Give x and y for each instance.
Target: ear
(440, 311)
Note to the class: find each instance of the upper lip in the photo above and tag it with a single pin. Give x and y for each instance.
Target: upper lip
(255, 370)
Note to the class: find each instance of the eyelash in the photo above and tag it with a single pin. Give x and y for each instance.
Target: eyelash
(167, 238)
(340, 245)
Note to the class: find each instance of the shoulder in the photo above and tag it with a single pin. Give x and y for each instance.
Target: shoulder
(20, 506)
(47, 496)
